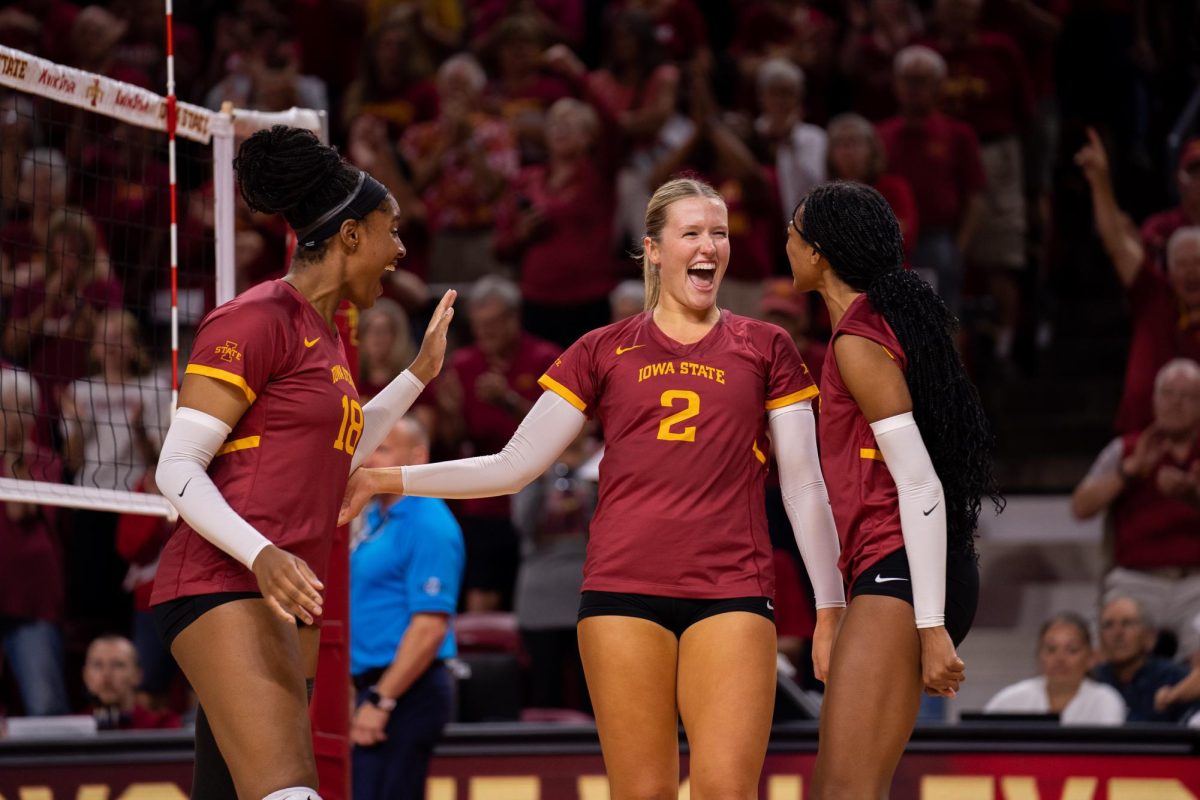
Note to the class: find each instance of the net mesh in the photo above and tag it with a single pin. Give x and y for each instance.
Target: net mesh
(85, 300)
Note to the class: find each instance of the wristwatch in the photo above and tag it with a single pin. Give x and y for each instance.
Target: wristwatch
(379, 701)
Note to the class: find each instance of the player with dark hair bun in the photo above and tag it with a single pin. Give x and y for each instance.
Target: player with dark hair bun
(906, 453)
(268, 429)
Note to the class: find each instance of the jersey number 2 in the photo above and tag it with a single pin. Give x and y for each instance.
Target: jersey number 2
(352, 426)
(667, 428)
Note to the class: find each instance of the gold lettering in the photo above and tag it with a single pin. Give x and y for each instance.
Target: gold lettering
(953, 787)
(441, 789)
(35, 793)
(1024, 787)
(1148, 789)
(685, 789)
(152, 791)
(92, 791)
(785, 787)
(522, 788)
(592, 787)
(721, 376)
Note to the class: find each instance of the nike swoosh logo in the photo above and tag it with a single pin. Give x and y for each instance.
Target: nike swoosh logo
(310, 343)
(184, 489)
(623, 350)
(930, 511)
(770, 606)
(881, 579)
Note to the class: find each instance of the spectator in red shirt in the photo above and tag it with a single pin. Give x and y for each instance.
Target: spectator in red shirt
(32, 593)
(856, 154)
(482, 396)
(557, 226)
(111, 675)
(879, 29)
(521, 92)
(1147, 482)
(940, 158)
(1157, 228)
(462, 163)
(988, 86)
(395, 76)
(1164, 307)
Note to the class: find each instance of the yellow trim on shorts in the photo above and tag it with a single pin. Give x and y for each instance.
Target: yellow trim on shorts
(222, 375)
(549, 384)
(867, 452)
(794, 397)
(245, 443)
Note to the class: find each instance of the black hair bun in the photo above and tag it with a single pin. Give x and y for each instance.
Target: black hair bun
(282, 170)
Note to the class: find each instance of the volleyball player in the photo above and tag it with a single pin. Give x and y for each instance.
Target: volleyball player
(256, 460)
(676, 616)
(907, 453)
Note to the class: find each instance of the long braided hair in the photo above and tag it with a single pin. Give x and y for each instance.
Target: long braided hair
(855, 229)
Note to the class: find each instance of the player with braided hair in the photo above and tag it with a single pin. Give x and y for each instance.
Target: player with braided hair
(257, 458)
(907, 458)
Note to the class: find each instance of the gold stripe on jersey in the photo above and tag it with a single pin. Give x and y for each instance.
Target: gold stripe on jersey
(794, 397)
(758, 453)
(551, 385)
(867, 452)
(222, 375)
(245, 443)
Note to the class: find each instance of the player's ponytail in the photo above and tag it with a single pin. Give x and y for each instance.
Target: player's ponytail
(855, 230)
(288, 171)
(656, 218)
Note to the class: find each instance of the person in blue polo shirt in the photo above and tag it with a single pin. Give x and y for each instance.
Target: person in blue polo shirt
(405, 572)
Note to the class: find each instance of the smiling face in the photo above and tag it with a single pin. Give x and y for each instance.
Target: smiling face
(691, 253)
(379, 250)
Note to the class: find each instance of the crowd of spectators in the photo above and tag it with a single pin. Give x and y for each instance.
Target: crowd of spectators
(522, 139)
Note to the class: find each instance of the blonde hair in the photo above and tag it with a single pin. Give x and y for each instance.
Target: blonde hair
(403, 348)
(73, 222)
(656, 218)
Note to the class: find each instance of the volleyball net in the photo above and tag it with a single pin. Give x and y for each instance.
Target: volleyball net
(89, 314)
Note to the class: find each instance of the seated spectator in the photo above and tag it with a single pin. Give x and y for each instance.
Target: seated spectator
(626, 299)
(1062, 687)
(552, 515)
(111, 675)
(1156, 231)
(521, 92)
(482, 395)
(555, 214)
(1164, 308)
(782, 305)
(462, 162)
(52, 319)
(386, 346)
(798, 150)
(31, 568)
(1126, 641)
(940, 159)
(395, 76)
(879, 29)
(856, 154)
(1146, 482)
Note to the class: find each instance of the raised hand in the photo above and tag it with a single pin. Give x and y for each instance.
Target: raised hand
(1093, 159)
(428, 362)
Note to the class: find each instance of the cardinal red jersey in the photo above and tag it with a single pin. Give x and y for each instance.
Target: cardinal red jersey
(681, 510)
(862, 493)
(285, 465)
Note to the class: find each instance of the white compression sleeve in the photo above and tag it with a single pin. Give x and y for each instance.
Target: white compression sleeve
(547, 429)
(922, 513)
(794, 436)
(182, 475)
(383, 411)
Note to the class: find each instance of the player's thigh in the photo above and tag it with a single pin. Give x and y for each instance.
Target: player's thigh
(630, 665)
(871, 700)
(246, 667)
(726, 699)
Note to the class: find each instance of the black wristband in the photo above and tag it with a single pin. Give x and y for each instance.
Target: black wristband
(379, 701)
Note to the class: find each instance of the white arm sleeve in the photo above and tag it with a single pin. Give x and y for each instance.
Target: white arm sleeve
(547, 429)
(794, 435)
(922, 514)
(383, 411)
(192, 441)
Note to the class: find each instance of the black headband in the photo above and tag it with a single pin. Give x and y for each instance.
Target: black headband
(367, 195)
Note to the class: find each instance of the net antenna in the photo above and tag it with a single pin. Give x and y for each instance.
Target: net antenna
(88, 116)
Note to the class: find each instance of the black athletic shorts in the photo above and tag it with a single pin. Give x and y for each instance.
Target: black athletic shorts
(676, 614)
(172, 616)
(889, 576)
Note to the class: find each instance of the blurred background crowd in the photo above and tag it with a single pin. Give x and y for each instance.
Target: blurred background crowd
(1042, 156)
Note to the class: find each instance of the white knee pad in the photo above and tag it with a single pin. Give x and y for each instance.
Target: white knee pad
(294, 793)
